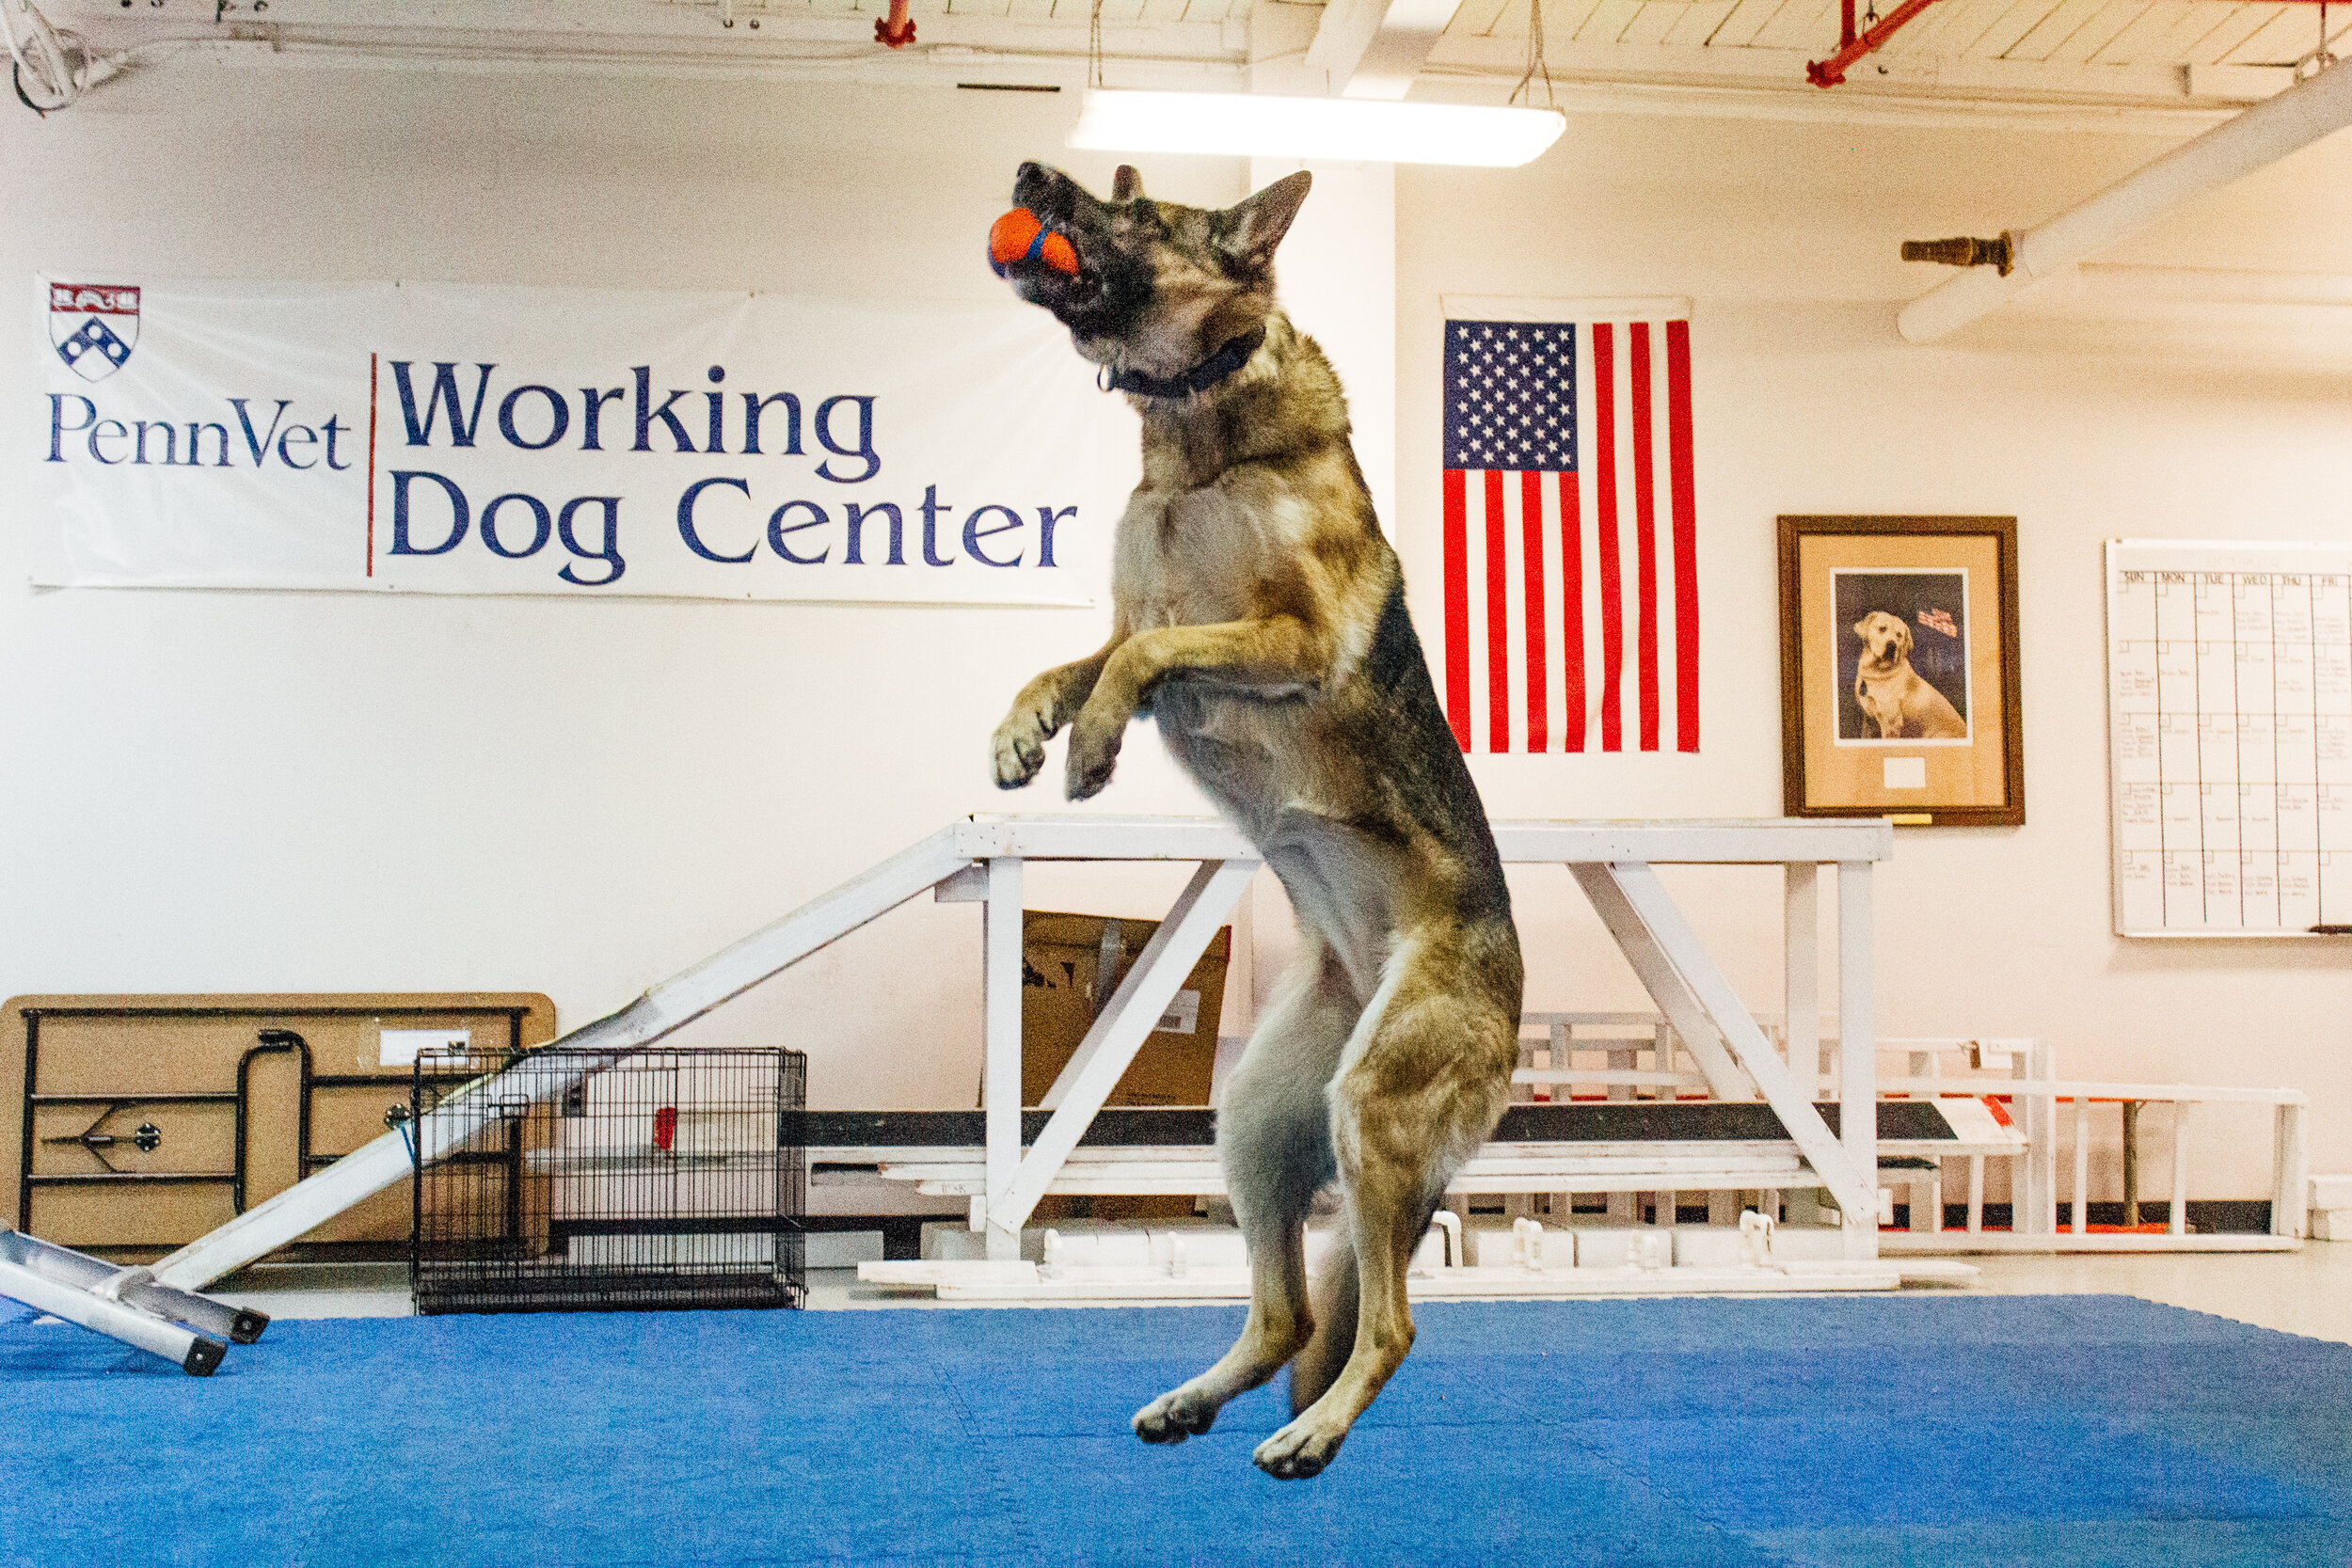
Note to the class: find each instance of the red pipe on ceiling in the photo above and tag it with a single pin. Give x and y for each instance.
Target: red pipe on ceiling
(1853, 46)
(897, 30)
(1829, 72)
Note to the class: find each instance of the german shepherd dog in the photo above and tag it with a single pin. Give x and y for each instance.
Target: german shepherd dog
(1258, 615)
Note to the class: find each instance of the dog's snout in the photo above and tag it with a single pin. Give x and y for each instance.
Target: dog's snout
(1043, 191)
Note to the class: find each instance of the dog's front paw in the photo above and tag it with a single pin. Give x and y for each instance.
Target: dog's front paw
(1300, 1449)
(1174, 1417)
(1093, 757)
(1019, 748)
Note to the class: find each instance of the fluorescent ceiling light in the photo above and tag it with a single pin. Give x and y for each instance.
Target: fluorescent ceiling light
(1345, 129)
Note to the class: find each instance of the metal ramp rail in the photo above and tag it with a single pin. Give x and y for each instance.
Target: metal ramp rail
(123, 1304)
(979, 859)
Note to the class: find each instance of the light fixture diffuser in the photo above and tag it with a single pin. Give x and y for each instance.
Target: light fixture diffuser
(1341, 130)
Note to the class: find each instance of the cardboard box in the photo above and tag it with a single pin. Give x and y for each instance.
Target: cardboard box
(1071, 963)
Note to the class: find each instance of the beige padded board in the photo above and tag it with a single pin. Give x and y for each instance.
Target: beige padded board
(103, 1068)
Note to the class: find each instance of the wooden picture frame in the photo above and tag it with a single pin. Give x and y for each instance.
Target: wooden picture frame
(1900, 692)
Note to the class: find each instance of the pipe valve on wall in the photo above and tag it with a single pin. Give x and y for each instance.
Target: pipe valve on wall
(1961, 252)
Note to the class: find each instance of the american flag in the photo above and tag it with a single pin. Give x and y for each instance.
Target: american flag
(1939, 619)
(1571, 572)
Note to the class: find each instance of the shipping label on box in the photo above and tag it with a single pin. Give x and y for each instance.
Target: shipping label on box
(1183, 1016)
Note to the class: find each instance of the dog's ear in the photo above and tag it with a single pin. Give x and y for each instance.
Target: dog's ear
(1126, 184)
(1902, 630)
(1251, 230)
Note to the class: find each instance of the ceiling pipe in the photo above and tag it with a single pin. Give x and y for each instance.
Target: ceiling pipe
(2260, 137)
(1853, 47)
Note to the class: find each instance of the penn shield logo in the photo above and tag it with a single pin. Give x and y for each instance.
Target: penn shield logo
(94, 326)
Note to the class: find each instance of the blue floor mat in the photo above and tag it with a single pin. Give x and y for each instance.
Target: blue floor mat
(1961, 1429)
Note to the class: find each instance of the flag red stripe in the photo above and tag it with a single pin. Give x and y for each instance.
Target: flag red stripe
(1604, 450)
(1498, 621)
(1644, 533)
(1531, 533)
(1457, 683)
(1572, 614)
(1686, 536)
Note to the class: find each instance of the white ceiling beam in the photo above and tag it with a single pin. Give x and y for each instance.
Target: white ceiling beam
(2260, 137)
(1374, 48)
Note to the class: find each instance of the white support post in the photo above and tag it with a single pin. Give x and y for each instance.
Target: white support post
(2081, 1218)
(1801, 923)
(1625, 1208)
(1120, 1030)
(1606, 887)
(1976, 1197)
(1857, 1054)
(2290, 1187)
(1627, 1061)
(2035, 1211)
(1558, 1057)
(1000, 1013)
(1663, 944)
(2177, 1224)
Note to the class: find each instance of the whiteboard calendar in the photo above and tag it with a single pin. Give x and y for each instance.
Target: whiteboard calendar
(2230, 712)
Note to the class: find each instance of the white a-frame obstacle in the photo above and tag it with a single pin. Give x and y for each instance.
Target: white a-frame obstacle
(981, 860)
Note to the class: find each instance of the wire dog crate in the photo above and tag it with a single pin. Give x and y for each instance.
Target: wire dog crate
(611, 1180)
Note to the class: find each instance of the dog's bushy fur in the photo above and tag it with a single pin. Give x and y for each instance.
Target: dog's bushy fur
(1259, 616)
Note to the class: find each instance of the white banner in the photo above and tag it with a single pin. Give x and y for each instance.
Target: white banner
(451, 439)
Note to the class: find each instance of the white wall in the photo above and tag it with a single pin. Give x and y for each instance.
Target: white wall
(326, 792)
(1805, 401)
(250, 792)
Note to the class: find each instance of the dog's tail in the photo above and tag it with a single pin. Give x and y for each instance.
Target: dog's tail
(1318, 1367)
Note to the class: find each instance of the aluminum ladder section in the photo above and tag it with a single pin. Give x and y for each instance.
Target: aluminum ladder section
(123, 1304)
(979, 859)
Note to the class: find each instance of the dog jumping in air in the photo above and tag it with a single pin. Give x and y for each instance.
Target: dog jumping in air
(1258, 616)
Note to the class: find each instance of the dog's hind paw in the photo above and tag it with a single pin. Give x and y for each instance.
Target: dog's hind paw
(1174, 1417)
(1298, 1450)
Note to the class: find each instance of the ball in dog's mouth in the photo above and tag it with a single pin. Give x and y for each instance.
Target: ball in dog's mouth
(1020, 238)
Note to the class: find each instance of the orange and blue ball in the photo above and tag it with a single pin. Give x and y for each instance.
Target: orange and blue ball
(1018, 236)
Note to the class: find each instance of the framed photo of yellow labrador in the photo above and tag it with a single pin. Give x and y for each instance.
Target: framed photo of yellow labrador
(1899, 678)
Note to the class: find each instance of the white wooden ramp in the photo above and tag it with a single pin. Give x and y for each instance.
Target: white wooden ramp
(981, 860)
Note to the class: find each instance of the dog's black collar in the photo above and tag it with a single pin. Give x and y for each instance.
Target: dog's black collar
(1207, 374)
